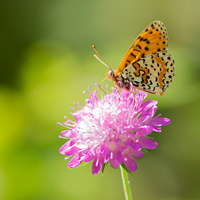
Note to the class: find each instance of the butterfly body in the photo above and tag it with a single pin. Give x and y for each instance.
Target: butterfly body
(147, 65)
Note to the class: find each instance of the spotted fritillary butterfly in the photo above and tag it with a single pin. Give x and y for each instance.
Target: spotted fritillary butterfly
(146, 66)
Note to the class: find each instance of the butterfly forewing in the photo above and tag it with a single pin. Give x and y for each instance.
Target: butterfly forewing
(152, 73)
(153, 39)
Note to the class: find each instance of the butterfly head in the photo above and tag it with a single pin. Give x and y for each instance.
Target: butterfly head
(110, 74)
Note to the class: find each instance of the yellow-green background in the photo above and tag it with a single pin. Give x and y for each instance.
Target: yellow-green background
(46, 61)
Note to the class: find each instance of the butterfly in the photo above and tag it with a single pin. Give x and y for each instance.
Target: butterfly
(147, 65)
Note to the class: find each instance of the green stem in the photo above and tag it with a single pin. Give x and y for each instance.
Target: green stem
(125, 181)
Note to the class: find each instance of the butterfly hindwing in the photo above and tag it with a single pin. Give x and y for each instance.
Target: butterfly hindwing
(153, 39)
(152, 73)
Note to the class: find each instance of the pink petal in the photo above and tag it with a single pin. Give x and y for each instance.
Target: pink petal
(130, 163)
(75, 161)
(136, 154)
(159, 121)
(148, 104)
(114, 164)
(148, 144)
(136, 146)
(155, 128)
(106, 159)
(97, 165)
(144, 118)
(66, 146)
(152, 110)
(67, 133)
(72, 150)
(105, 152)
(88, 156)
(144, 131)
(119, 158)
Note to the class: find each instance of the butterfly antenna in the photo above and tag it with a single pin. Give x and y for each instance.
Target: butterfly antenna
(104, 63)
(100, 60)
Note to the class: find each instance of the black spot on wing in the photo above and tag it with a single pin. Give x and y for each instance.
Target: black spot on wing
(133, 55)
(136, 50)
(139, 46)
(143, 60)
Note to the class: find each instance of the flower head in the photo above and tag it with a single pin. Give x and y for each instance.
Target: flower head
(113, 129)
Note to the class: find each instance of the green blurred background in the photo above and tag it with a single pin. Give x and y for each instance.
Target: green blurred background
(46, 61)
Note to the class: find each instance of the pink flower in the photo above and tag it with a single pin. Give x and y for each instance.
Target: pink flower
(114, 129)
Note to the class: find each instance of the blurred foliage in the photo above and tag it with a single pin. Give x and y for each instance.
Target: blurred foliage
(45, 64)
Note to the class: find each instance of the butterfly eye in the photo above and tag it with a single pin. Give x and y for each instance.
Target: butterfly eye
(110, 74)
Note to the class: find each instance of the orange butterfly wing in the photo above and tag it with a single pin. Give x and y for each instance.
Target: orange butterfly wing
(153, 39)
